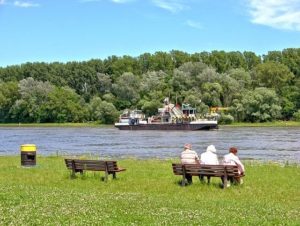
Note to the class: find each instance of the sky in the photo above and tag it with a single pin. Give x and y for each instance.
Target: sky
(80, 30)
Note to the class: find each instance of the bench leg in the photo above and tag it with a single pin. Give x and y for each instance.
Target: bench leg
(225, 182)
(114, 175)
(73, 169)
(183, 180)
(208, 179)
(106, 176)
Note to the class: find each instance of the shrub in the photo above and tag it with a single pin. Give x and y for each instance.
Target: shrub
(296, 116)
(226, 119)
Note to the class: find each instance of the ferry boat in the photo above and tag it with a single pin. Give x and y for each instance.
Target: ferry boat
(170, 117)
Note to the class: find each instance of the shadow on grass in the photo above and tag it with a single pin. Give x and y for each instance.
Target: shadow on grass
(217, 185)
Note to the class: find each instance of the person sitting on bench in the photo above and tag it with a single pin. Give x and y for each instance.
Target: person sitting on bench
(233, 159)
(209, 158)
(188, 156)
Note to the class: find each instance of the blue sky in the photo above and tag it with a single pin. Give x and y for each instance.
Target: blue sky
(78, 30)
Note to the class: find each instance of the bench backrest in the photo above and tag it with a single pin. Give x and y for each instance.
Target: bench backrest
(95, 165)
(209, 170)
(111, 165)
(177, 168)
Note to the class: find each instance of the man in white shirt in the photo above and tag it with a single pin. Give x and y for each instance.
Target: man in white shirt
(209, 158)
(188, 156)
(233, 159)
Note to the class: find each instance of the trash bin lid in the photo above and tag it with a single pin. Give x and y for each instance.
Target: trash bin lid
(28, 147)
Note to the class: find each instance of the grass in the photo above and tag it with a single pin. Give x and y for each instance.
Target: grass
(265, 124)
(146, 194)
(69, 124)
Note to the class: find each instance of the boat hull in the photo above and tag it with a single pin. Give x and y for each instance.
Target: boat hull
(179, 126)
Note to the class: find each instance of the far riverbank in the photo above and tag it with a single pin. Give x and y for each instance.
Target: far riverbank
(95, 124)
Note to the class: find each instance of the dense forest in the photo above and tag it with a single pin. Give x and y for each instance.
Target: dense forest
(253, 88)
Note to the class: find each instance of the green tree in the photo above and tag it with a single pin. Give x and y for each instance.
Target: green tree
(241, 76)
(290, 100)
(251, 60)
(104, 83)
(212, 94)
(161, 61)
(126, 90)
(291, 58)
(260, 105)
(124, 64)
(179, 57)
(149, 107)
(275, 56)
(153, 81)
(8, 95)
(64, 105)
(30, 107)
(219, 60)
(236, 60)
(102, 111)
(271, 75)
(231, 89)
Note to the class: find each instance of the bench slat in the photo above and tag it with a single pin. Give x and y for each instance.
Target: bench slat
(177, 169)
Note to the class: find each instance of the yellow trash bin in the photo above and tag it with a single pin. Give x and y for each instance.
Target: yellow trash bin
(28, 155)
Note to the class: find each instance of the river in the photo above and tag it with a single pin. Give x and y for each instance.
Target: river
(276, 144)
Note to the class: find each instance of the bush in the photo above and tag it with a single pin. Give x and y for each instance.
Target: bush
(296, 116)
(226, 119)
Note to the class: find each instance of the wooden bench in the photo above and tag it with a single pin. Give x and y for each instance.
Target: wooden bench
(222, 171)
(79, 165)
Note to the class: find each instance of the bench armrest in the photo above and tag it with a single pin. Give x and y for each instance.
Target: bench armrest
(117, 170)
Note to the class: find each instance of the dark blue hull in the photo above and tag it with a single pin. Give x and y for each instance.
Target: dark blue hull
(179, 126)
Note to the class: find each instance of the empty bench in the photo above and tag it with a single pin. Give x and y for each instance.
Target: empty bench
(79, 165)
(222, 171)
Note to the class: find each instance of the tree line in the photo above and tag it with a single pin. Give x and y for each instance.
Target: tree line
(253, 88)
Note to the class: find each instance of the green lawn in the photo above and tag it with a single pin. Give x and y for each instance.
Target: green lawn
(146, 194)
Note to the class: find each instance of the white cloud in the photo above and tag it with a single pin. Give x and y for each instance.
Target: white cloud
(2, 2)
(193, 24)
(173, 6)
(279, 14)
(25, 4)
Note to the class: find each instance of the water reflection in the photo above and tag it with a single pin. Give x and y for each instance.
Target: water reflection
(254, 143)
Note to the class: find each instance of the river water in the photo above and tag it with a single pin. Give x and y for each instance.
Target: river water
(278, 144)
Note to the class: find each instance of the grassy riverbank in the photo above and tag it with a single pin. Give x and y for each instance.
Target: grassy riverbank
(70, 124)
(146, 194)
(95, 124)
(266, 124)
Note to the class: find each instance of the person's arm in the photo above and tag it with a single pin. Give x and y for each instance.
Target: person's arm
(240, 165)
(197, 159)
(217, 160)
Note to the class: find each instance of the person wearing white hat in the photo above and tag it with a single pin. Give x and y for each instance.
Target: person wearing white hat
(209, 158)
(188, 156)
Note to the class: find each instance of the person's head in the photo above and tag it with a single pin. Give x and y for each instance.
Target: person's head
(233, 150)
(187, 146)
(211, 148)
